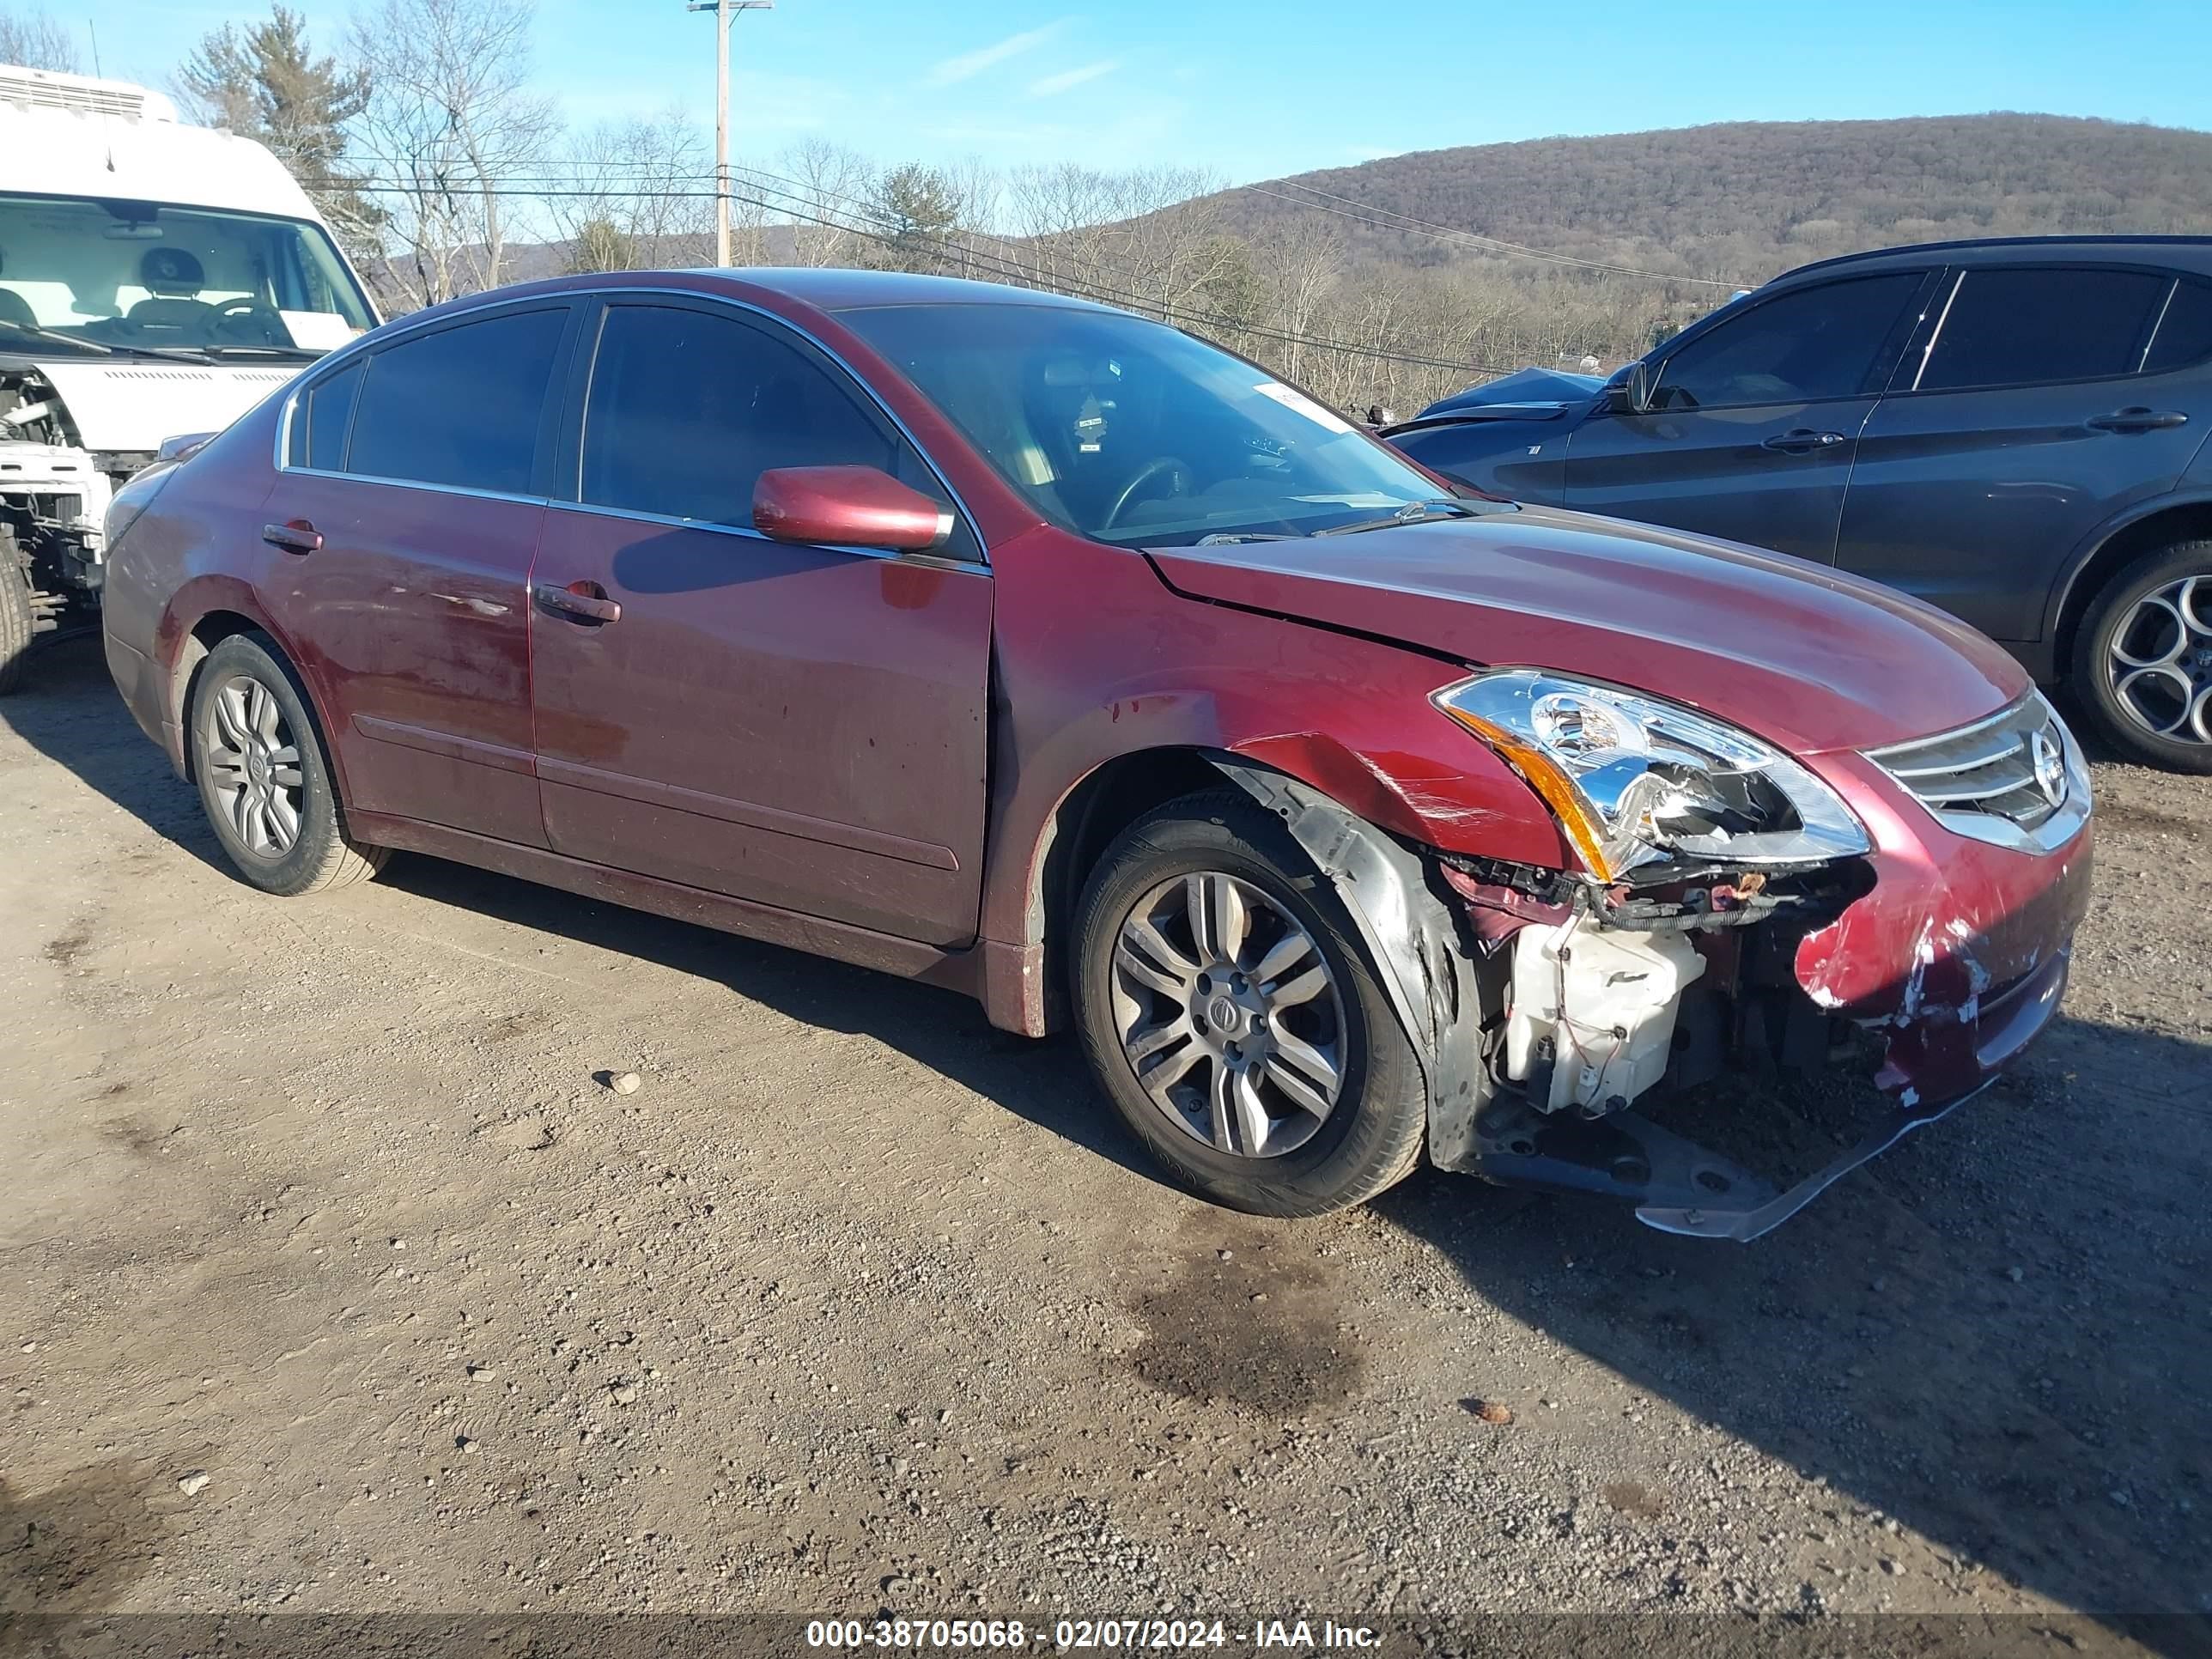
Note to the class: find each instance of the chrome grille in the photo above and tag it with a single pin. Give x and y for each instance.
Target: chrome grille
(2015, 779)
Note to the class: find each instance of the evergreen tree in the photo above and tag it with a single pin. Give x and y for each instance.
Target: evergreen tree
(265, 82)
(919, 212)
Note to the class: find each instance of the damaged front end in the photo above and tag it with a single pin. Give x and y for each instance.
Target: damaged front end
(1903, 916)
(1906, 915)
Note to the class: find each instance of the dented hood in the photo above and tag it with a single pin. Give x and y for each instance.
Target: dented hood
(1804, 656)
(133, 405)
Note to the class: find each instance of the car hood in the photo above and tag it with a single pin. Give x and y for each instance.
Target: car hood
(133, 406)
(1803, 655)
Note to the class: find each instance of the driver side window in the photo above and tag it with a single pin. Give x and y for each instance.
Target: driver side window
(688, 407)
(1824, 342)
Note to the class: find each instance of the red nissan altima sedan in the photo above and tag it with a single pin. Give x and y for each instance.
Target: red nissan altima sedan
(1025, 647)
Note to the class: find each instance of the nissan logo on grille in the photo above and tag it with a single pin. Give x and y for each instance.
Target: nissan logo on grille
(2050, 761)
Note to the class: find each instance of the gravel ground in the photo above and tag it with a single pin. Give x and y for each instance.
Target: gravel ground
(337, 1282)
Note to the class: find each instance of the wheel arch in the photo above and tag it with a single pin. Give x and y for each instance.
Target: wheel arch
(2159, 524)
(220, 613)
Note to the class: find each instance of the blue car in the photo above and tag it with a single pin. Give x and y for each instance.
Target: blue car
(2014, 430)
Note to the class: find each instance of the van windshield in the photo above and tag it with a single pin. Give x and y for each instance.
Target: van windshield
(94, 275)
(1130, 433)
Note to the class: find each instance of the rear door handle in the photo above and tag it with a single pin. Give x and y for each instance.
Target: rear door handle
(579, 602)
(1802, 441)
(2139, 419)
(296, 536)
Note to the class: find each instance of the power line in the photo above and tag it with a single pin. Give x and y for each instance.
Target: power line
(996, 264)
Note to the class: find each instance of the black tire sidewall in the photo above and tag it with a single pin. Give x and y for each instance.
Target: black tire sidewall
(2092, 646)
(1363, 1147)
(298, 869)
(17, 620)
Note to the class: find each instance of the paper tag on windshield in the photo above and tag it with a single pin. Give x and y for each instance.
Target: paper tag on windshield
(1299, 403)
(317, 331)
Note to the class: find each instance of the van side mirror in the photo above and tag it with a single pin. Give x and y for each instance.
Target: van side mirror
(847, 507)
(1629, 393)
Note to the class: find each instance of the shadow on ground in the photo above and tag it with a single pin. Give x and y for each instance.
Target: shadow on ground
(1997, 1334)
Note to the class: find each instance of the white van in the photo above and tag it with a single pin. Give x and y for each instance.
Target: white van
(156, 280)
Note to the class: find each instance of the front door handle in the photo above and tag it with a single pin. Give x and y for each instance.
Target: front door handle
(1802, 441)
(2139, 419)
(579, 602)
(296, 535)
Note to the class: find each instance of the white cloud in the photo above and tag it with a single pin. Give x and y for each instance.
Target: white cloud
(1052, 85)
(971, 64)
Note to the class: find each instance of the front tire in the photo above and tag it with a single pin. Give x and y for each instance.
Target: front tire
(263, 777)
(1229, 1011)
(2142, 660)
(18, 622)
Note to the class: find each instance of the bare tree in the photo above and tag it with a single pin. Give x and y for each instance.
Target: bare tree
(826, 188)
(33, 41)
(639, 188)
(453, 130)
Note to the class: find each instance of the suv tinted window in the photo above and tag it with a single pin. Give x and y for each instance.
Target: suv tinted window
(1817, 343)
(319, 420)
(460, 406)
(2184, 333)
(2013, 326)
(687, 409)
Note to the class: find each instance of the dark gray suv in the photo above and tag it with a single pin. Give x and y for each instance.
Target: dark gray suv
(2014, 430)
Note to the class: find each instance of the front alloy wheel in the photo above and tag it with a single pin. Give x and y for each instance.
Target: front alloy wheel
(1230, 1011)
(1229, 1015)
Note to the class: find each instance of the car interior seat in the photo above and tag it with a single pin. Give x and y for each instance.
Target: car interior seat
(173, 278)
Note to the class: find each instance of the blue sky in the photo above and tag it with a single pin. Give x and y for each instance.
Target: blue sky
(1251, 91)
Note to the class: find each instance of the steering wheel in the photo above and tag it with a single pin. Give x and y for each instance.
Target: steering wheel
(248, 320)
(1163, 464)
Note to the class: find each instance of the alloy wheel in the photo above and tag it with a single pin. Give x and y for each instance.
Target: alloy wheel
(1229, 1015)
(252, 760)
(2159, 661)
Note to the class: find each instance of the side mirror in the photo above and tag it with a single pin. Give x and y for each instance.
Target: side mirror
(847, 507)
(1630, 392)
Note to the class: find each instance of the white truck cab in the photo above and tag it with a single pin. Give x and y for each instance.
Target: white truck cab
(156, 279)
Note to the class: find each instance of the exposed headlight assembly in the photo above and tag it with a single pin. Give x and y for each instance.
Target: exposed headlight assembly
(1647, 789)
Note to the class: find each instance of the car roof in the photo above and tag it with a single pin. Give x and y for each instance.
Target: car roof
(2192, 252)
(837, 289)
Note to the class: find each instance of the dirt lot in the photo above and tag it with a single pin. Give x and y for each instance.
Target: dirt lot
(859, 1304)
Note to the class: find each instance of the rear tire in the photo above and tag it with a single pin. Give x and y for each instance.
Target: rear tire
(2142, 660)
(17, 618)
(1320, 1101)
(264, 778)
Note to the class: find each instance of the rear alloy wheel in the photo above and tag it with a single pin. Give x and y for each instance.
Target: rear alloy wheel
(264, 779)
(1229, 1011)
(2144, 660)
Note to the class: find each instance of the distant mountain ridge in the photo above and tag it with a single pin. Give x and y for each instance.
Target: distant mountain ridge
(1747, 200)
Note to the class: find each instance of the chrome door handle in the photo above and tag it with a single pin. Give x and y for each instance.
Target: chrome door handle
(579, 602)
(296, 536)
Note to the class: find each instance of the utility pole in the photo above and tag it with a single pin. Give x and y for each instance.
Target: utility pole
(724, 10)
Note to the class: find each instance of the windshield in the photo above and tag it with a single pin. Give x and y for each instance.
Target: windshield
(1128, 432)
(82, 275)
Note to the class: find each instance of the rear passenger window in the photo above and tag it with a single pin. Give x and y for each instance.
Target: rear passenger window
(320, 418)
(460, 406)
(2185, 333)
(687, 409)
(2013, 327)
